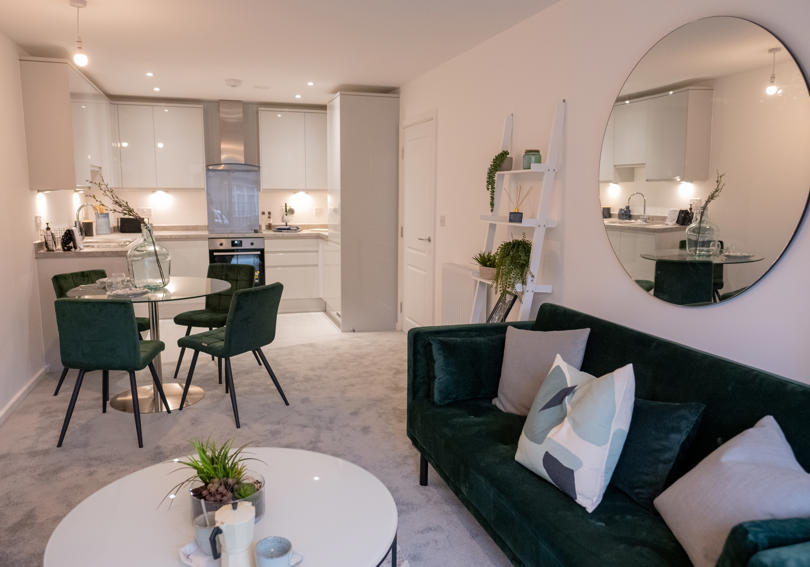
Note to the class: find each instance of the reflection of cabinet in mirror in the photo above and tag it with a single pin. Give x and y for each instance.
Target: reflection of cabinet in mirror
(607, 172)
(678, 134)
(630, 133)
(630, 242)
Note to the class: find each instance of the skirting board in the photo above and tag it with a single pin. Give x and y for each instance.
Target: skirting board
(301, 305)
(20, 395)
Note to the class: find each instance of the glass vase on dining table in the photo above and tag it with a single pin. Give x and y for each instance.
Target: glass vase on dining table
(149, 263)
(702, 235)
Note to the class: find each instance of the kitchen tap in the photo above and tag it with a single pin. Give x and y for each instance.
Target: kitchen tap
(79, 214)
(285, 215)
(644, 210)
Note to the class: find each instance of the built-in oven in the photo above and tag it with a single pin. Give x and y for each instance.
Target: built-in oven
(243, 250)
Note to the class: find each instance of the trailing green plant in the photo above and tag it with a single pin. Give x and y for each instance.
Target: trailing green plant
(494, 166)
(220, 471)
(486, 259)
(512, 264)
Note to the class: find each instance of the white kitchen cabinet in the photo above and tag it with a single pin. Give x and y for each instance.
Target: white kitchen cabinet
(161, 146)
(67, 125)
(292, 149)
(630, 242)
(137, 142)
(179, 149)
(678, 135)
(630, 133)
(316, 150)
(606, 169)
(295, 262)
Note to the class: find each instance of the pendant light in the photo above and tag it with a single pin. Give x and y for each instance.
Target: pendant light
(773, 88)
(79, 56)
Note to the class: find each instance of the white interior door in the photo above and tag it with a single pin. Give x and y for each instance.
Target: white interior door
(419, 191)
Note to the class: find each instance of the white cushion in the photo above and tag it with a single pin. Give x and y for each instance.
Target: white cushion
(576, 429)
(527, 358)
(754, 476)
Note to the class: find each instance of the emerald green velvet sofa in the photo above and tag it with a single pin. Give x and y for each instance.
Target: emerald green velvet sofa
(472, 444)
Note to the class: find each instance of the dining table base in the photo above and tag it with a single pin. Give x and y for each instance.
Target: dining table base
(146, 398)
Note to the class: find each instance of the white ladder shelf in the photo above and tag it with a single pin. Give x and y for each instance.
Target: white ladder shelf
(538, 224)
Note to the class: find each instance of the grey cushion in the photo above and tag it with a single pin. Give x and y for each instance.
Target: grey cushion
(527, 358)
(754, 476)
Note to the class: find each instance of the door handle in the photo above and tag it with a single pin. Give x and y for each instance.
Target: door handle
(424, 239)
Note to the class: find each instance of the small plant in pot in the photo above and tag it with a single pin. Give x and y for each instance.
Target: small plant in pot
(512, 265)
(220, 477)
(486, 264)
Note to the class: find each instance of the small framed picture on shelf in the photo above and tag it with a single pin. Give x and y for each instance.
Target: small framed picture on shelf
(502, 308)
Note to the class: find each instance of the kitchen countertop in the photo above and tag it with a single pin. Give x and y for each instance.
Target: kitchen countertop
(163, 235)
(636, 226)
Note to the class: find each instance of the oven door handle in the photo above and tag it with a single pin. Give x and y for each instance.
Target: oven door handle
(255, 253)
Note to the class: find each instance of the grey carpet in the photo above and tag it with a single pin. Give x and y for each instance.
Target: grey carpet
(347, 399)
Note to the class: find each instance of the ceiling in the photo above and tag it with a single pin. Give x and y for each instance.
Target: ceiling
(274, 47)
(701, 50)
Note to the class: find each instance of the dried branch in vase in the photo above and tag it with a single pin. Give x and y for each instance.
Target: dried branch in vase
(115, 203)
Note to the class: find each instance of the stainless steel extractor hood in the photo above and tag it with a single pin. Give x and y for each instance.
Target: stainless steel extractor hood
(231, 132)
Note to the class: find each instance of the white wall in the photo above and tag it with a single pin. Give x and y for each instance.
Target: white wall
(582, 51)
(20, 327)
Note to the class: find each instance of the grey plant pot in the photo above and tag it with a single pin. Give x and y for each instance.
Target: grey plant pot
(506, 165)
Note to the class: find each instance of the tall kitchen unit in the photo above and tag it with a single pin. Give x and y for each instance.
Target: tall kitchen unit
(360, 255)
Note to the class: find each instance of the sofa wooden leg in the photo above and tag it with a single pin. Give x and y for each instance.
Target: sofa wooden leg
(423, 471)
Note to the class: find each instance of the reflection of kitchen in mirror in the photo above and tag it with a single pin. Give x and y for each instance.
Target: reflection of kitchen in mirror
(721, 95)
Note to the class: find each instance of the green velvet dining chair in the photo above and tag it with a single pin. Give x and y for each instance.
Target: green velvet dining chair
(251, 325)
(215, 314)
(63, 283)
(101, 334)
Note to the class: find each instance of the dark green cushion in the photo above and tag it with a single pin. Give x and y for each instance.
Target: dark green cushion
(142, 323)
(466, 368)
(149, 350)
(201, 318)
(252, 318)
(472, 445)
(209, 342)
(659, 432)
(240, 276)
(797, 555)
(747, 539)
(62, 283)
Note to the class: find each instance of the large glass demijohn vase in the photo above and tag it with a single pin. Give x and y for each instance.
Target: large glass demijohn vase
(701, 235)
(149, 262)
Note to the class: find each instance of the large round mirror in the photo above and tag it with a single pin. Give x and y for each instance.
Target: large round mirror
(717, 105)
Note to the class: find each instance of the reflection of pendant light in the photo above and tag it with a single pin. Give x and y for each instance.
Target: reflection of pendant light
(772, 87)
(79, 56)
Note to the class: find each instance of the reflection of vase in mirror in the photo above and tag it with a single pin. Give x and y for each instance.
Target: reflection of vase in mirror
(694, 104)
(701, 235)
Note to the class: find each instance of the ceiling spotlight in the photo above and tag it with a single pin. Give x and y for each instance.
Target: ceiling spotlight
(150, 74)
(772, 87)
(79, 56)
(156, 89)
(278, 115)
(233, 83)
(310, 84)
(298, 96)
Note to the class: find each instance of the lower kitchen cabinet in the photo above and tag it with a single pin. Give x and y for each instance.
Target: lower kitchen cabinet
(294, 262)
(629, 243)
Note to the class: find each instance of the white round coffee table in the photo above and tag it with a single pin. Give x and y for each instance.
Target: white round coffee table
(334, 512)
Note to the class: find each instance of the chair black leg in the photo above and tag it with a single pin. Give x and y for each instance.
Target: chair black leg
(180, 359)
(229, 380)
(219, 369)
(211, 329)
(105, 390)
(71, 405)
(61, 379)
(136, 410)
(159, 387)
(423, 471)
(256, 356)
(188, 378)
(272, 376)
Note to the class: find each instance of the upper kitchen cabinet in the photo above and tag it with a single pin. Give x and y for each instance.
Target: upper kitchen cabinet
(68, 126)
(678, 135)
(292, 149)
(607, 172)
(161, 146)
(630, 134)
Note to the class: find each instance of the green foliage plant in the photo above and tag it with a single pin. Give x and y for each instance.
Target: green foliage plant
(512, 264)
(494, 166)
(486, 259)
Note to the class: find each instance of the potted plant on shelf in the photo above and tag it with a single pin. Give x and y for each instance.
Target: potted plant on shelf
(500, 162)
(512, 264)
(148, 262)
(486, 264)
(220, 477)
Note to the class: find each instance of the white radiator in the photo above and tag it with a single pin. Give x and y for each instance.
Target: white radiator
(458, 289)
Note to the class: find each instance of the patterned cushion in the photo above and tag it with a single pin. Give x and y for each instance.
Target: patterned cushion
(576, 429)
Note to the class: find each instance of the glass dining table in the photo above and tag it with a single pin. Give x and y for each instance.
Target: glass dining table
(178, 288)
